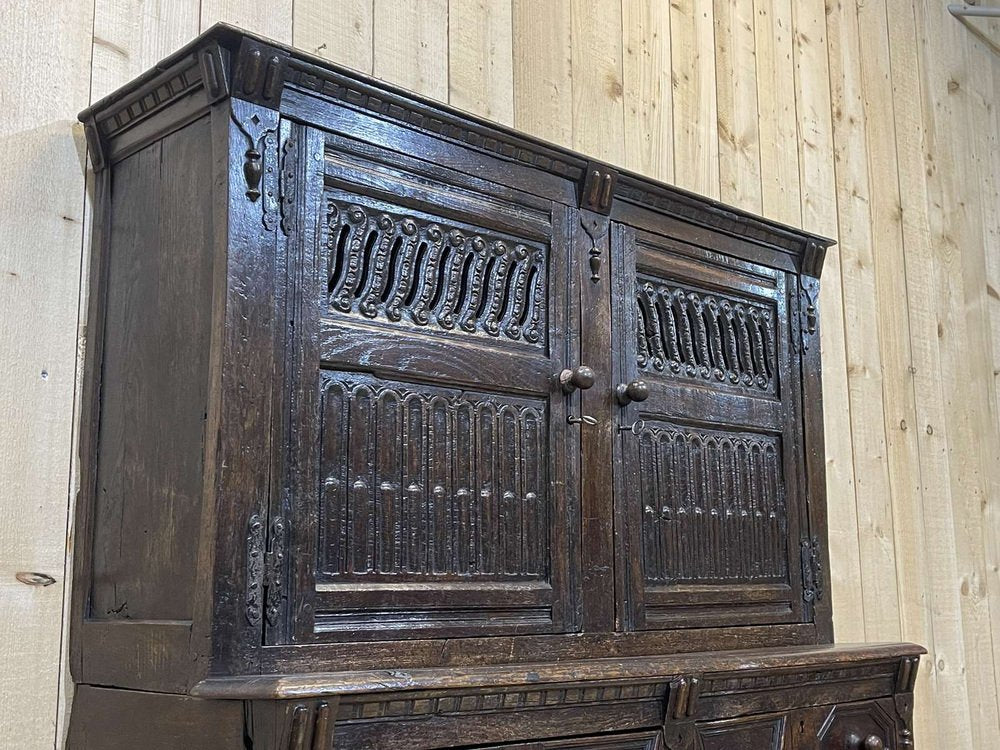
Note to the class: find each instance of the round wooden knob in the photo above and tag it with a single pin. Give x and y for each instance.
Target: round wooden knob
(637, 390)
(581, 377)
(873, 742)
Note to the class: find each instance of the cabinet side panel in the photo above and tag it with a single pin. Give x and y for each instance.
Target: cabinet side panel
(154, 381)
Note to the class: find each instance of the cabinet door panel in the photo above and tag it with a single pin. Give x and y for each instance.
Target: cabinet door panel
(709, 489)
(429, 470)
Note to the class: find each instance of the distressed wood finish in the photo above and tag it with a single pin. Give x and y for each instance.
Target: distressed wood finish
(471, 440)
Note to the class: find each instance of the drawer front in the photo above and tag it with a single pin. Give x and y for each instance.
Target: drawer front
(629, 741)
(753, 733)
(856, 726)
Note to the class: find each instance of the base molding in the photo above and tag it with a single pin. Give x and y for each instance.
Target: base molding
(787, 699)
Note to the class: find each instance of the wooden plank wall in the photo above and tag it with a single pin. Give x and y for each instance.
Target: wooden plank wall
(871, 121)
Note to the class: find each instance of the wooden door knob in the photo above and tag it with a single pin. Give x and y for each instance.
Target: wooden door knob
(871, 742)
(581, 377)
(626, 393)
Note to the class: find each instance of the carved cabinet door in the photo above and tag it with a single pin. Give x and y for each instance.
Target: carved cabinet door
(709, 499)
(425, 476)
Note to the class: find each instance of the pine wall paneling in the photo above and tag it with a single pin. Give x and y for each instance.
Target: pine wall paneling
(873, 122)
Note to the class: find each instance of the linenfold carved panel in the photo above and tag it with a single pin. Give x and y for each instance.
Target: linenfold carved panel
(424, 481)
(712, 337)
(396, 265)
(713, 505)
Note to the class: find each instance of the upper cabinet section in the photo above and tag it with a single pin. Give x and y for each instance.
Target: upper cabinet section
(461, 383)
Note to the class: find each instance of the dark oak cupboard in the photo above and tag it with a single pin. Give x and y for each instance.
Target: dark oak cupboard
(403, 429)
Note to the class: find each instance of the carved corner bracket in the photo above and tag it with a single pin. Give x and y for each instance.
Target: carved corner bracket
(95, 145)
(214, 75)
(597, 189)
(259, 73)
(259, 134)
(808, 311)
(813, 256)
(679, 717)
(906, 678)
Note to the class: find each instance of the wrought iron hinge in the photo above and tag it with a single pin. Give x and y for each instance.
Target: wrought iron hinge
(812, 571)
(808, 312)
(288, 183)
(265, 570)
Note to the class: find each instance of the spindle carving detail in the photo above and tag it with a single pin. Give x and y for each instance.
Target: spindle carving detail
(393, 266)
(708, 336)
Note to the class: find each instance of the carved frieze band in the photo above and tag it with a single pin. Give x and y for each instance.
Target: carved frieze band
(478, 703)
(385, 103)
(393, 266)
(713, 506)
(707, 336)
(725, 684)
(432, 481)
(697, 211)
(185, 79)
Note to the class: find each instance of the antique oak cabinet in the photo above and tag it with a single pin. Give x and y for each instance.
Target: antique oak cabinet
(405, 430)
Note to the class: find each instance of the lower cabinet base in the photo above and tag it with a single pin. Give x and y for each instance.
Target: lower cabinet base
(825, 698)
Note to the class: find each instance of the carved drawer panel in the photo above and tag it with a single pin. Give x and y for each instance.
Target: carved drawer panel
(631, 741)
(857, 726)
(753, 733)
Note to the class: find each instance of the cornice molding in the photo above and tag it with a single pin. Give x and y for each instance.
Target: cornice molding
(225, 61)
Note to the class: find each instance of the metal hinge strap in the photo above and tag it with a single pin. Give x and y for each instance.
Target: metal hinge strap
(812, 571)
(265, 570)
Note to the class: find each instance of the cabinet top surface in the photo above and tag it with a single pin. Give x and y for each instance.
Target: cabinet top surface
(227, 61)
(622, 669)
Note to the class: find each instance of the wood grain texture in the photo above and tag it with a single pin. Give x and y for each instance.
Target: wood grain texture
(480, 58)
(944, 82)
(542, 58)
(818, 208)
(736, 89)
(412, 47)
(955, 223)
(649, 108)
(776, 100)
(598, 109)
(273, 20)
(696, 114)
(343, 37)
(864, 353)
(42, 219)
